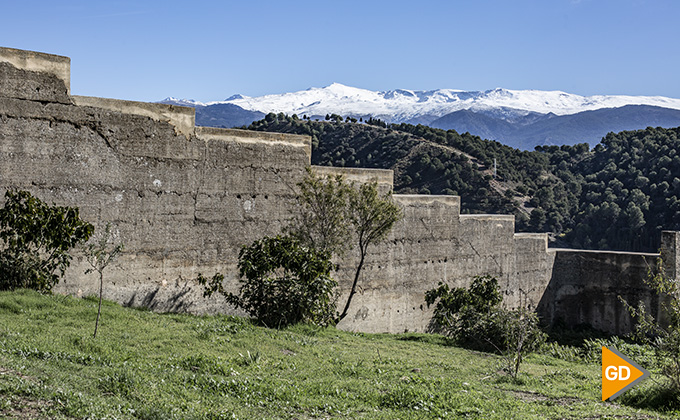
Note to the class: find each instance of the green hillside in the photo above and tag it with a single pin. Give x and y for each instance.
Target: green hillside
(618, 195)
(170, 366)
(424, 160)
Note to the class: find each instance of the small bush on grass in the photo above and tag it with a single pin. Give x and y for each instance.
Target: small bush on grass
(474, 318)
(521, 336)
(282, 283)
(457, 311)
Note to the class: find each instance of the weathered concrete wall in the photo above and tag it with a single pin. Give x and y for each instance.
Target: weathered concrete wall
(585, 287)
(184, 199)
(384, 178)
(670, 253)
(533, 267)
(434, 243)
(183, 119)
(35, 76)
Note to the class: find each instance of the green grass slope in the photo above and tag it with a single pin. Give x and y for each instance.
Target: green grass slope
(163, 366)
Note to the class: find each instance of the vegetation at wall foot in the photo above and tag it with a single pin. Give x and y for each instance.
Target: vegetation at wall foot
(176, 366)
(282, 282)
(36, 240)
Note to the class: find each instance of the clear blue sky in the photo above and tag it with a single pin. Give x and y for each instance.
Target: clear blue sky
(209, 50)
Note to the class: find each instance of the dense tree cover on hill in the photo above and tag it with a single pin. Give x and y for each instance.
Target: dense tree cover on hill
(630, 190)
(619, 195)
(421, 166)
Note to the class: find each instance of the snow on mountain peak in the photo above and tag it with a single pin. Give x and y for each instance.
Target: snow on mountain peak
(181, 102)
(343, 91)
(409, 105)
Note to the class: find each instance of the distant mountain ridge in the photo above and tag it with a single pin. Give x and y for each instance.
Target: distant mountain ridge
(519, 118)
(549, 129)
(222, 114)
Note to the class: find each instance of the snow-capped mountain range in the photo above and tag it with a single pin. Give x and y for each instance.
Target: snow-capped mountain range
(498, 114)
(402, 105)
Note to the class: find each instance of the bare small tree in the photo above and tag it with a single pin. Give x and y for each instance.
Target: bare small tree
(335, 216)
(371, 217)
(320, 220)
(100, 253)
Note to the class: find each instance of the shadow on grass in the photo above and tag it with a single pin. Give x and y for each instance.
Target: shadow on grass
(430, 339)
(574, 336)
(657, 397)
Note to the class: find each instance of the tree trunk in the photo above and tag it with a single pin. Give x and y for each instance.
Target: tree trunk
(354, 287)
(99, 310)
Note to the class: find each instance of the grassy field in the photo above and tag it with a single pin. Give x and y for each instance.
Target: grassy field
(150, 366)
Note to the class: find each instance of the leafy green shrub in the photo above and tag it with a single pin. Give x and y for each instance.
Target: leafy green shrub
(475, 318)
(458, 309)
(521, 334)
(282, 283)
(663, 337)
(37, 239)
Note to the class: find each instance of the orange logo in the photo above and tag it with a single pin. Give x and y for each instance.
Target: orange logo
(619, 373)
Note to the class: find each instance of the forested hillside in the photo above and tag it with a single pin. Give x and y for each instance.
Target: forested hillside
(619, 195)
(630, 190)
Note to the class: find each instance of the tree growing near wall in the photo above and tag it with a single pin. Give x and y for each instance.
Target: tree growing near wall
(371, 217)
(100, 253)
(320, 218)
(286, 279)
(336, 216)
(37, 239)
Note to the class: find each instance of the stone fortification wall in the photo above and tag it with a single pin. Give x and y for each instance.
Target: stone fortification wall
(35, 76)
(533, 265)
(184, 199)
(585, 286)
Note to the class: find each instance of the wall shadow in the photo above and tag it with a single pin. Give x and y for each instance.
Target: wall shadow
(586, 289)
